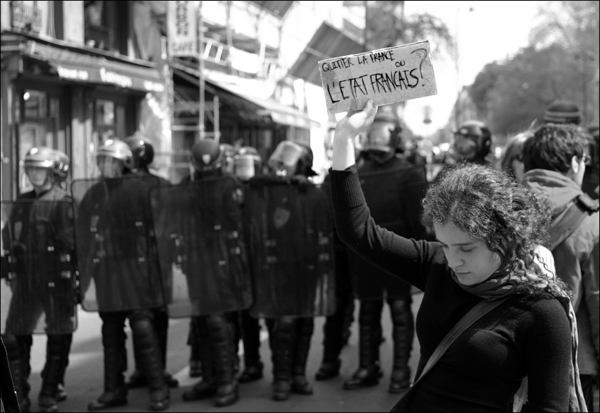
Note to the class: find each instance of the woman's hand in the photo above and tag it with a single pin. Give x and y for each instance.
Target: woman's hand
(354, 123)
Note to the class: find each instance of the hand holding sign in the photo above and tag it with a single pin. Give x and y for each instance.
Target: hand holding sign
(388, 75)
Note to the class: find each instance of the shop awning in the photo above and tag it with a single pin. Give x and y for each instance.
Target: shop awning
(79, 67)
(326, 43)
(268, 107)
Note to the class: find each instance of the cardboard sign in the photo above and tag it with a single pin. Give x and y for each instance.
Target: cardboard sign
(389, 75)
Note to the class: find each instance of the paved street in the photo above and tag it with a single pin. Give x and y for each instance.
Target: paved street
(85, 374)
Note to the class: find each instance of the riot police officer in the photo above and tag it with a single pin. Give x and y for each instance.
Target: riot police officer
(292, 259)
(221, 222)
(248, 164)
(116, 253)
(393, 188)
(143, 155)
(473, 143)
(38, 242)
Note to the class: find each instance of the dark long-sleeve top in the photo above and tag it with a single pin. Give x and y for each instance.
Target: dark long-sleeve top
(483, 368)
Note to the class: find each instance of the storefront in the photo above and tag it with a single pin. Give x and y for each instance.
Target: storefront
(245, 118)
(68, 98)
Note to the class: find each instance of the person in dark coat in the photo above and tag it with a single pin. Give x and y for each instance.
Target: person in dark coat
(43, 222)
(394, 188)
(488, 228)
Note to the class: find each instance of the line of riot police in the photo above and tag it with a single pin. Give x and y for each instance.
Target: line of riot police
(131, 246)
(225, 247)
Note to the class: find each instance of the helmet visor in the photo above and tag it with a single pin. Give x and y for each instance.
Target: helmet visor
(38, 176)
(109, 167)
(465, 146)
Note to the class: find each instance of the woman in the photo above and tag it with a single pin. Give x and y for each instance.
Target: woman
(511, 161)
(487, 227)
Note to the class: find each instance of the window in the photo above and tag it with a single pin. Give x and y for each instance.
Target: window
(106, 25)
(40, 124)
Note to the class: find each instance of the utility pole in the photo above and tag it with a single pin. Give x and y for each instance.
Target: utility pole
(201, 85)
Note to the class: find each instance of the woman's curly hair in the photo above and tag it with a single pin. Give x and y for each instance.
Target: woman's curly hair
(508, 217)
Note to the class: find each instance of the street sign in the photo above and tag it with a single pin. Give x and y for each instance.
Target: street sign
(182, 27)
(389, 75)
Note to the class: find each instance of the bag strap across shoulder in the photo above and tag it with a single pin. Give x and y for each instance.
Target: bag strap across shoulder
(476, 313)
(568, 221)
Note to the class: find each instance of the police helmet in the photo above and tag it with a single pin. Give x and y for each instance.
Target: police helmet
(48, 158)
(563, 112)
(285, 157)
(116, 148)
(384, 134)
(206, 155)
(142, 150)
(476, 141)
(247, 162)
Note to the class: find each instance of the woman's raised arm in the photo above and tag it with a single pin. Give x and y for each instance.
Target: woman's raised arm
(346, 130)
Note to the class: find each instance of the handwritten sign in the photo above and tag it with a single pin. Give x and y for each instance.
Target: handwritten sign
(389, 75)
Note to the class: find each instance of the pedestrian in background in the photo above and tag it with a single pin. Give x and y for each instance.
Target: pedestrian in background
(555, 161)
(506, 328)
(511, 160)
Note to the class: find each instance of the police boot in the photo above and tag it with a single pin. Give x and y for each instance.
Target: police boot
(368, 373)
(282, 342)
(334, 340)
(144, 334)
(403, 332)
(17, 349)
(61, 393)
(53, 372)
(253, 367)
(207, 386)
(161, 324)
(305, 327)
(222, 337)
(193, 342)
(115, 364)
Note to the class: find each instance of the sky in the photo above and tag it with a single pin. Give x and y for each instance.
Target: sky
(487, 31)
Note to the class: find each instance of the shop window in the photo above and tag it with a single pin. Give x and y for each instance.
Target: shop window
(40, 124)
(113, 118)
(106, 25)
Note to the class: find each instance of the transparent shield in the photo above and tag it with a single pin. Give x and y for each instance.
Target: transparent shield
(201, 242)
(38, 289)
(116, 245)
(291, 249)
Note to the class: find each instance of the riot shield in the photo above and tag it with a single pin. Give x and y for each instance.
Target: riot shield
(394, 197)
(116, 245)
(200, 236)
(38, 289)
(291, 249)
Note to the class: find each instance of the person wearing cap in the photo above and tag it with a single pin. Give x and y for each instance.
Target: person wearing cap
(473, 143)
(563, 112)
(34, 301)
(109, 256)
(394, 188)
